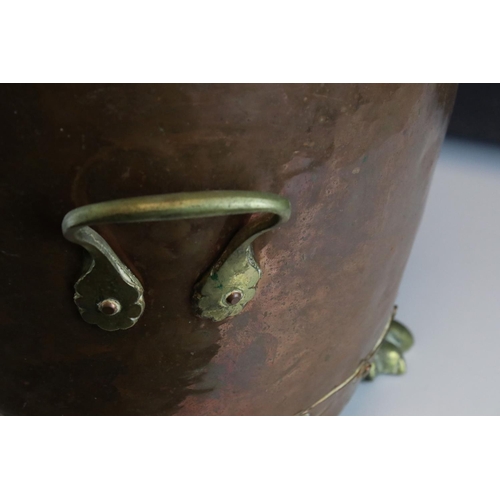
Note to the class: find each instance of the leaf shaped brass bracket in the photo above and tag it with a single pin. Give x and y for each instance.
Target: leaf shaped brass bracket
(110, 296)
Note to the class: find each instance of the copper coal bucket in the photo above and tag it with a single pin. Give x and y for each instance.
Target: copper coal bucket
(225, 249)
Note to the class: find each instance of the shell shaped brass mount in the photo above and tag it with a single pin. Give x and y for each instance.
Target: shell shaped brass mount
(109, 295)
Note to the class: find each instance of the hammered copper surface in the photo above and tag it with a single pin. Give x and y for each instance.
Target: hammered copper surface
(355, 161)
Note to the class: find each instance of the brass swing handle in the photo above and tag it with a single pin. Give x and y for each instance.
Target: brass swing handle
(109, 295)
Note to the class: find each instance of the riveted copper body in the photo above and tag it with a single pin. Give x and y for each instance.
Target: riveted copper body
(354, 160)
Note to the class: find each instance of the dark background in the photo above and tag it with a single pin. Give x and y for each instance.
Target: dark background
(477, 113)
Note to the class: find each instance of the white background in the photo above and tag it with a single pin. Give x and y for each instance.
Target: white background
(450, 297)
(446, 293)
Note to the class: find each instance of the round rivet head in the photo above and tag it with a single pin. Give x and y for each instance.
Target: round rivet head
(234, 297)
(109, 307)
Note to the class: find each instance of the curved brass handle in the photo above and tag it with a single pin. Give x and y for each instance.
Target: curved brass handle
(110, 296)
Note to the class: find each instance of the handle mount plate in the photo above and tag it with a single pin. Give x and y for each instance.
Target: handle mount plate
(110, 296)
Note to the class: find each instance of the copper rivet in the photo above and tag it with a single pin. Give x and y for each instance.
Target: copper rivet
(110, 307)
(234, 297)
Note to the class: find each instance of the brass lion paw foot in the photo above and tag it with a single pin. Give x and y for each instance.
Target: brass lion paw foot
(388, 358)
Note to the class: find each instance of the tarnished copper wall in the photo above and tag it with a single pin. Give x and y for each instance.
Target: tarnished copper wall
(355, 161)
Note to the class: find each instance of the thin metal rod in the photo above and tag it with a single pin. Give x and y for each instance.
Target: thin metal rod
(174, 207)
(360, 369)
